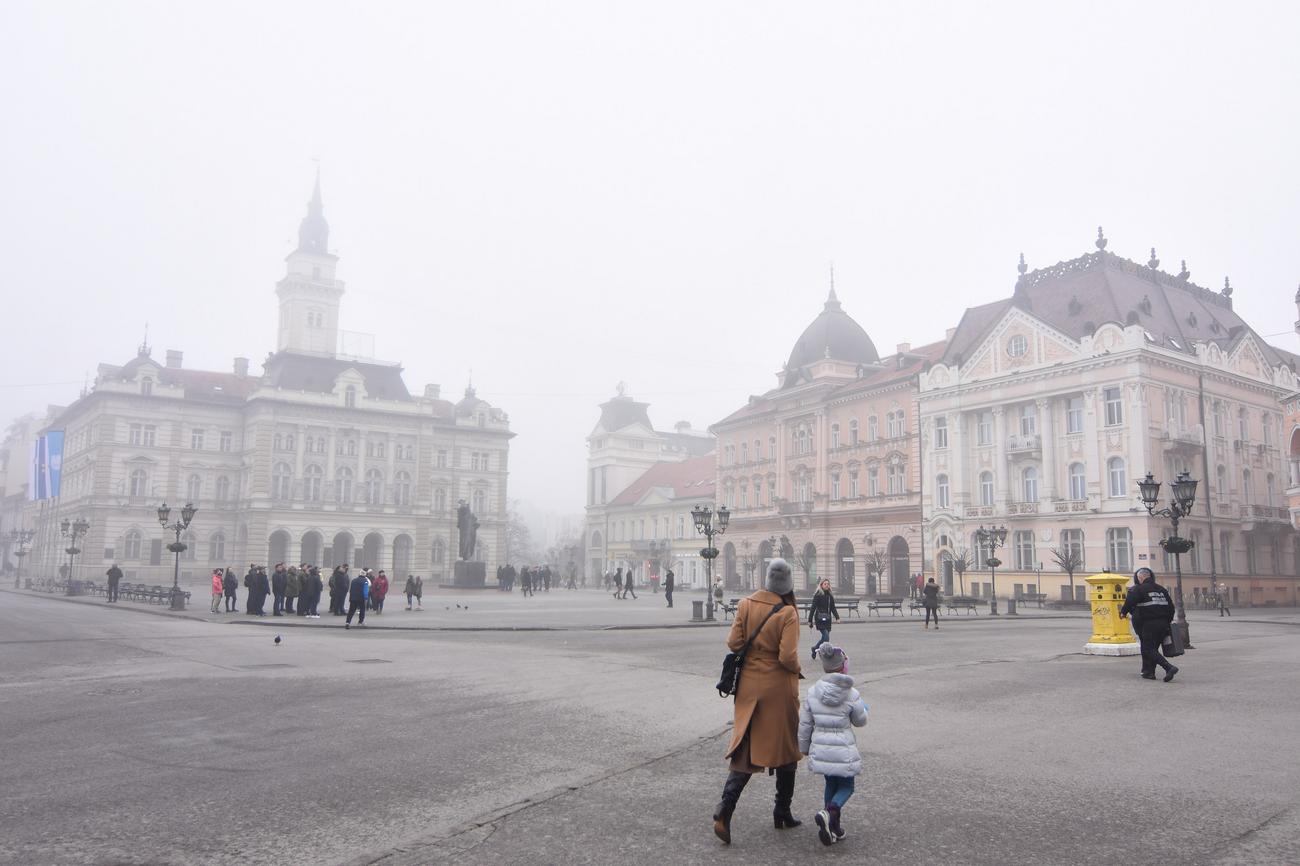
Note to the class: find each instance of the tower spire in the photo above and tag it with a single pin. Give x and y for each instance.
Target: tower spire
(313, 231)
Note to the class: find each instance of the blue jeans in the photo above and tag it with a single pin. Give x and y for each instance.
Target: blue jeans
(826, 635)
(838, 790)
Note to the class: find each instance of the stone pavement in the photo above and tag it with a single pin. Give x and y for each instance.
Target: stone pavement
(160, 739)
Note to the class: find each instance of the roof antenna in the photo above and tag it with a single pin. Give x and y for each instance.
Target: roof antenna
(143, 351)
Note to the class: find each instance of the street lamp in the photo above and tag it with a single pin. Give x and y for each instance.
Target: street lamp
(992, 538)
(1184, 490)
(710, 523)
(72, 530)
(187, 514)
(22, 538)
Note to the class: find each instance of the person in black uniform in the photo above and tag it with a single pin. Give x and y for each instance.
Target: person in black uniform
(670, 581)
(114, 576)
(1155, 608)
(1135, 617)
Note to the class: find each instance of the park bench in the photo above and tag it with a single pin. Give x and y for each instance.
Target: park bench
(1036, 597)
(963, 602)
(728, 608)
(894, 605)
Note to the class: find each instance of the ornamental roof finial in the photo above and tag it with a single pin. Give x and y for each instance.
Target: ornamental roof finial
(1101, 240)
(1153, 262)
(1184, 274)
(1227, 288)
(1022, 267)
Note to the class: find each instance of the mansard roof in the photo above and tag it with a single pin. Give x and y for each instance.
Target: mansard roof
(622, 411)
(318, 373)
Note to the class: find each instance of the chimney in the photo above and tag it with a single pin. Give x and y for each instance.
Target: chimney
(432, 392)
(682, 427)
(241, 367)
(174, 359)
(904, 348)
(949, 334)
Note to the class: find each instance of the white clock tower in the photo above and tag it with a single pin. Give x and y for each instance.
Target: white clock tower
(309, 294)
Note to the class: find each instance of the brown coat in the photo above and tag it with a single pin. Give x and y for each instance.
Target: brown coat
(767, 702)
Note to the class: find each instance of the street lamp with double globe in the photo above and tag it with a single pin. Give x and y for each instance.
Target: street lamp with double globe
(73, 530)
(22, 538)
(1180, 505)
(992, 538)
(187, 514)
(710, 523)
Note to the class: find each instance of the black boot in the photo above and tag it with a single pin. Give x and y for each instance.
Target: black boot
(781, 817)
(736, 783)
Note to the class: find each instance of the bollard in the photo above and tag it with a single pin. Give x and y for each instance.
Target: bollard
(1011, 607)
(697, 610)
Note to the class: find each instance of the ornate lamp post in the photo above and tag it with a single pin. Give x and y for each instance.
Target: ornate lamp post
(992, 538)
(1184, 490)
(72, 530)
(187, 514)
(22, 538)
(710, 523)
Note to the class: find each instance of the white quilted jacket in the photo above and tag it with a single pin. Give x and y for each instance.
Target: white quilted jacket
(826, 721)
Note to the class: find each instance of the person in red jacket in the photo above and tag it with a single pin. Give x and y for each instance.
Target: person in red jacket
(218, 589)
(379, 590)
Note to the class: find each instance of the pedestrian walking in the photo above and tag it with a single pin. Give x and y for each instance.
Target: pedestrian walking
(218, 589)
(627, 583)
(618, 582)
(419, 592)
(821, 611)
(930, 598)
(410, 590)
(1223, 600)
(114, 575)
(765, 730)
(358, 596)
(231, 586)
(831, 711)
(1155, 605)
(670, 581)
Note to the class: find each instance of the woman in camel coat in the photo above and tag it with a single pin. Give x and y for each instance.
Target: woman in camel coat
(766, 731)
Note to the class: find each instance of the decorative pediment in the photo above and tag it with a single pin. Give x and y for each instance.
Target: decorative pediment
(1019, 341)
(1247, 359)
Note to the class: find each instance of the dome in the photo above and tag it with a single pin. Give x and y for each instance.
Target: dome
(833, 334)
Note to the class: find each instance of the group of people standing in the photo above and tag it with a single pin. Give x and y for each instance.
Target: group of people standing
(532, 578)
(297, 590)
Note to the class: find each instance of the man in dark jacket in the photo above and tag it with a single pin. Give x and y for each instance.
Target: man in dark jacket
(250, 584)
(338, 588)
(114, 575)
(231, 587)
(1154, 607)
(618, 581)
(358, 592)
(670, 580)
(279, 583)
(262, 586)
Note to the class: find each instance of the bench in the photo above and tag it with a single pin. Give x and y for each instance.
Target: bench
(894, 605)
(965, 602)
(1036, 597)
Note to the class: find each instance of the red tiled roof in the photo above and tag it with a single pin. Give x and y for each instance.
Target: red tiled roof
(689, 479)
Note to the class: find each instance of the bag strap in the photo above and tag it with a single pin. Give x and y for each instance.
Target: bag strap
(750, 642)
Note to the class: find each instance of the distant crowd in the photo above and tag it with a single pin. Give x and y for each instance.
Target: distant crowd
(297, 591)
(532, 578)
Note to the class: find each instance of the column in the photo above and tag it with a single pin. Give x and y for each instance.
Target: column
(1000, 467)
(1050, 470)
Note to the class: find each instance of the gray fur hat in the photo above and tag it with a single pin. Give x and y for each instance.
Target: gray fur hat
(778, 577)
(833, 658)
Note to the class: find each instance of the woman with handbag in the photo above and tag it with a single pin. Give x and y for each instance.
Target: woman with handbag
(765, 735)
(820, 612)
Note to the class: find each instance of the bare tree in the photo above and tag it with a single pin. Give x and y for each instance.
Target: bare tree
(1070, 561)
(877, 562)
(519, 541)
(806, 559)
(749, 560)
(961, 563)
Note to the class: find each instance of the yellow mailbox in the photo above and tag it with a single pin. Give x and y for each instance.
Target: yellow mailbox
(1111, 636)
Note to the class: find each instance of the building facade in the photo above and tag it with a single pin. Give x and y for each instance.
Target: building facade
(1047, 407)
(322, 458)
(824, 469)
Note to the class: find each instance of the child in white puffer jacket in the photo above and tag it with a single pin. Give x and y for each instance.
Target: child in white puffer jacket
(826, 721)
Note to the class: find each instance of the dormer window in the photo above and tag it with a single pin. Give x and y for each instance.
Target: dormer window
(350, 397)
(146, 386)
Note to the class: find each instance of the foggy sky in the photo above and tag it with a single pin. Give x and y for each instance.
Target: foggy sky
(560, 196)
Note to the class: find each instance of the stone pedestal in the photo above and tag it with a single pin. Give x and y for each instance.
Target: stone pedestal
(471, 575)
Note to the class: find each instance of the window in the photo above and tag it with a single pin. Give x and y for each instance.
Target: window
(744, 452)
(1270, 491)
(1225, 552)
(873, 481)
(1023, 546)
(402, 488)
(854, 490)
(803, 488)
(289, 442)
(194, 488)
(744, 495)
(681, 526)
(146, 386)
(281, 481)
(1219, 419)
(896, 422)
(895, 478)
(1017, 346)
(313, 478)
(941, 491)
(853, 431)
(1115, 471)
(1078, 482)
(350, 448)
(1119, 550)
(439, 499)
(1243, 425)
(1074, 415)
(940, 433)
(1221, 481)
(1247, 488)
(835, 486)
(479, 503)
(771, 448)
(223, 488)
(217, 547)
(986, 488)
(758, 492)
(1194, 554)
(377, 450)
(1072, 541)
(350, 396)
(132, 546)
(835, 435)
(984, 429)
(196, 440)
(225, 440)
(979, 553)
(441, 461)
(439, 551)
(343, 485)
(1267, 421)
(139, 483)
(1114, 406)
(1029, 484)
(873, 428)
(1028, 419)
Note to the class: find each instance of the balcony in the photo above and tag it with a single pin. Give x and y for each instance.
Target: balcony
(975, 511)
(1178, 435)
(1071, 506)
(1022, 508)
(1024, 445)
(787, 507)
(1265, 514)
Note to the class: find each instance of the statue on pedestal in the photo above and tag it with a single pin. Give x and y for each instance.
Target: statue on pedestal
(467, 526)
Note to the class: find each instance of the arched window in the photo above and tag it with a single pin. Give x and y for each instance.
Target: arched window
(1243, 425)
(1029, 484)
(223, 488)
(1270, 490)
(402, 488)
(277, 442)
(217, 547)
(281, 481)
(941, 491)
(374, 487)
(146, 386)
(191, 547)
(853, 431)
(313, 478)
(1117, 476)
(343, 485)
(350, 448)
(479, 502)
(132, 544)
(986, 488)
(873, 428)
(835, 435)
(193, 488)
(940, 433)
(139, 482)
(1247, 488)
(895, 480)
(350, 396)
(439, 551)
(1078, 482)
(439, 499)
(1221, 481)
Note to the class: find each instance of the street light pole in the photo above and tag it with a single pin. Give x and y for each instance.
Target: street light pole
(22, 538)
(187, 514)
(706, 525)
(72, 530)
(1180, 505)
(992, 538)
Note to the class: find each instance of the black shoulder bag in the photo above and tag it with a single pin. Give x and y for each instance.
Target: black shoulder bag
(729, 682)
